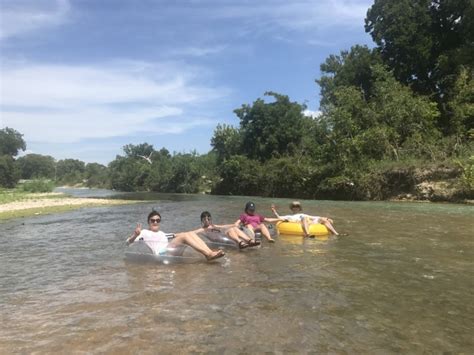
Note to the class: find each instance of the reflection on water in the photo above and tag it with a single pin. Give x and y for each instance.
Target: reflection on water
(401, 282)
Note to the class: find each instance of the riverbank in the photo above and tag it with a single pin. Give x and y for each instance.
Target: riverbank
(16, 205)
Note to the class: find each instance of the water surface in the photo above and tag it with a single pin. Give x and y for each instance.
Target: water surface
(402, 282)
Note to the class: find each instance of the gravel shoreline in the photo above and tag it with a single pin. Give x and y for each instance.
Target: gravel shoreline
(53, 202)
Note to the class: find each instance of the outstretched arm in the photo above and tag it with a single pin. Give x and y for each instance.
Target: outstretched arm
(273, 220)
(224, 225)
(275, 211)
(198, 230)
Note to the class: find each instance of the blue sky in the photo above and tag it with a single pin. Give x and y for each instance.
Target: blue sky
(80, 79)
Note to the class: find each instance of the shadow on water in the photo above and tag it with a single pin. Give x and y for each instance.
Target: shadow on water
(401, 282)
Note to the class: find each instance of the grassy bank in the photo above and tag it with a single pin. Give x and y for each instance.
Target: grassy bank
(18, 194)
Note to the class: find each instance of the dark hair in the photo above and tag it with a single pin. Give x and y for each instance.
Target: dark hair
(249, 206)
(153, 213)
(296, 204)
(205, 214)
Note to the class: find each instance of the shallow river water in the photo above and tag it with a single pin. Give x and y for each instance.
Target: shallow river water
(401, 282)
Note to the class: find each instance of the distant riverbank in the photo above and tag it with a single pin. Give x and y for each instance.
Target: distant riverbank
(15, 205)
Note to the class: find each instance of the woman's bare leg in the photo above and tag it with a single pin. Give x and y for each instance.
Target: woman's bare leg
(265, 232)
(305, 226)
(327, 223)
(236, 234)
(191, 239)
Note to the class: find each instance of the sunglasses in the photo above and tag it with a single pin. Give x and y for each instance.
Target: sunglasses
(155, 220)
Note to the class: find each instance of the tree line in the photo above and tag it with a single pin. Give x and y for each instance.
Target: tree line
(389, 116)
(44, 167)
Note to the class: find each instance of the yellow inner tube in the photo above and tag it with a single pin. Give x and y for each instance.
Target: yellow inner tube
(295, 228)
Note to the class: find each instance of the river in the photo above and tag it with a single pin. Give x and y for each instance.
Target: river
(401, 282)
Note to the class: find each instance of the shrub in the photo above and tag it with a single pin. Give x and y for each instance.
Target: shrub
(38, 186)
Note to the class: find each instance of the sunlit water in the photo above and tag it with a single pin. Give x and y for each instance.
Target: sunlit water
(401, 282)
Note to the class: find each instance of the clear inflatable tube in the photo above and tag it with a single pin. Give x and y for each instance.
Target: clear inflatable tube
(142, 252)
(216, 239)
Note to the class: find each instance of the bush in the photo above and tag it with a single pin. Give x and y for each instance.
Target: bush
(38, 186)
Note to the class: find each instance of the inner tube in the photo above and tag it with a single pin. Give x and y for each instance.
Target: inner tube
(142, 253)
(295, 228)
(258, 233)
(214, 238)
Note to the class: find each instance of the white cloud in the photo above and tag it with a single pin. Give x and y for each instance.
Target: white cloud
(57, 103)
(27, 16)
(312, 114)
(197, 51)
(295, 15)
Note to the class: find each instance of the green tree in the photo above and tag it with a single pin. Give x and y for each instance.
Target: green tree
(96, 175)
(461, 106)
(11, 142)
(161, 172)
(9, 172)
(128, 174)
(425, 42)
(349, 68)
(136, 151)
(186, 177)
(70, 171)
(225, 142)
(36, 166)
(271, 129)
(239, 176)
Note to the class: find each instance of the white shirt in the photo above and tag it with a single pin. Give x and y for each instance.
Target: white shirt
(297, 217)
(157, 241)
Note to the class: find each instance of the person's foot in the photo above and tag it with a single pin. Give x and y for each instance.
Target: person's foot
(216, 254)
(271, 240)
(243, 245)
(253, 243)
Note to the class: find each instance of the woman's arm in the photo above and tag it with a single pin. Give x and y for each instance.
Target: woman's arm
(272, 220)
(275, 211)
(136, 233)
(198, 230)
(223, 225)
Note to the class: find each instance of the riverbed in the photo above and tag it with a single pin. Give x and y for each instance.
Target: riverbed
(401, 282)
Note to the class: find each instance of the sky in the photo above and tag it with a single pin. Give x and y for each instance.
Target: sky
(82, 78)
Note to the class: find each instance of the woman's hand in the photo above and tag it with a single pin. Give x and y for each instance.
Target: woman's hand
(138, 230)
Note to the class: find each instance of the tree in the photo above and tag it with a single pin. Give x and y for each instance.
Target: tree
(96, 175)
(225, 142)
(349, 68)
(186, 176)
(34, 166)
(70, 171)
(135, 151)
(402, 30)
(271, 129)
(11, 142)
(461, 106)
(424, 42)
(9, 172)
